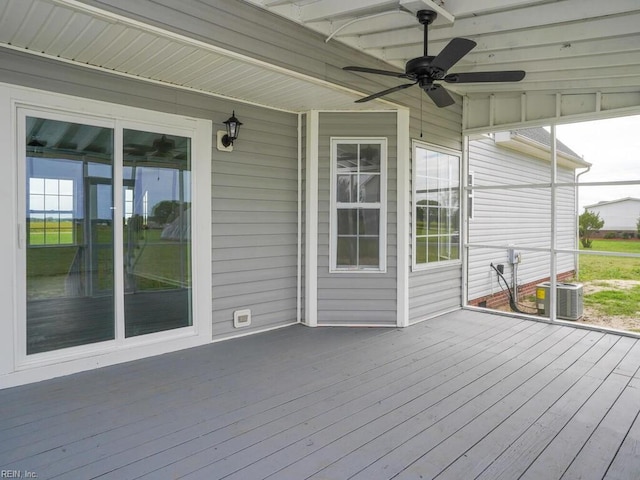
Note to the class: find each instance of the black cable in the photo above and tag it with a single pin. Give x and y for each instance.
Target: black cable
(512, 301)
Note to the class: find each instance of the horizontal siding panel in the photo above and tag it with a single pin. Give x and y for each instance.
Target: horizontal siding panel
(222, 217)
(366, 293)
(251, 205)
(247, 253)
(356, 305)
(517, 217)
(356, 316)
(229, 241)
(257, 171)
(434, 291)
(260, 307)
(246, 160)
(265, 228)
(254, 298)
(222, 192)
(244, 181)
(271, 284)
(433, 309)
(425, 293)
(231, 266)
(425, 278)
(220, 279)
(223, 322)
(359, 282)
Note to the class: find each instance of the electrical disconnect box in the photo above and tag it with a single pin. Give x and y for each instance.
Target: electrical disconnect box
(514, 256)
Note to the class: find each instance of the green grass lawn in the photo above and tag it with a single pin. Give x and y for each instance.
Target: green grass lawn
(597, 267)
(593, 268)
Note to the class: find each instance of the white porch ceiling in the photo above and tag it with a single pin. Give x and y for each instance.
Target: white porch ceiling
(73, 32)
(581, 56)
(563, 45)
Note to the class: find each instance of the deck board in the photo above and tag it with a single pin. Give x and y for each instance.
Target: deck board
(464, 395)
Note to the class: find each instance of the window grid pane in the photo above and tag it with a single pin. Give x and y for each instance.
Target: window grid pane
(51, 206)
(437, 206)
(358, 194)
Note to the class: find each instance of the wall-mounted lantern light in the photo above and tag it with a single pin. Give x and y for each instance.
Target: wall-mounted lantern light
(225, 139)
(233, 129)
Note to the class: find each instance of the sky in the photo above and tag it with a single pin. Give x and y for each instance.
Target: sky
(612, 146)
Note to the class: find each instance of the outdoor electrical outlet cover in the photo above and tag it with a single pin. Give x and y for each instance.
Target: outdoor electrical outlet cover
(500, 268)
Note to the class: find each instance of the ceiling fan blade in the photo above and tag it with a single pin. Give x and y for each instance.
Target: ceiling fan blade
(376, 71)
(439, 95)
(498, 76)
(385, 92)
(452, 53)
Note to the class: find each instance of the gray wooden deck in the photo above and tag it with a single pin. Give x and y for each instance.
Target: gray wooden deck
(467, 395)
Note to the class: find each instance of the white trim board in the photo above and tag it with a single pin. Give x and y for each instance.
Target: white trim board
(403, 163)
(311, 220)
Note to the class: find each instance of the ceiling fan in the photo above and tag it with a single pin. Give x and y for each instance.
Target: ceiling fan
(426, 70)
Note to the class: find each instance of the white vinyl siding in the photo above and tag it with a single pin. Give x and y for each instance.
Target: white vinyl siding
(516, 216)
(254, 189)
(618, 215)
(356, 298)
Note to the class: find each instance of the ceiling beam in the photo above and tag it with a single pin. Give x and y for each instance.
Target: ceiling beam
(542, 84)
(565, 12)
(464, 8)
(584, 49)
(340, 8)
(487, 113)
(587, 29)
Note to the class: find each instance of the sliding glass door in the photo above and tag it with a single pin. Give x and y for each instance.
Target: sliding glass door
(69, 219)
(82, 285)
(157, 232)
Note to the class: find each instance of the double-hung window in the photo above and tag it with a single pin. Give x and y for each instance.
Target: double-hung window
(358, 204)
(51, 208)
(436, 205)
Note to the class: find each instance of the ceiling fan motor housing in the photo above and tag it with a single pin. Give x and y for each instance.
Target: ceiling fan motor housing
(425, 70)
(421, 67)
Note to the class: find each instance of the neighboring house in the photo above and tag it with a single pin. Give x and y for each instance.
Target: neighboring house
(620, 216)
(517, 216)
(133, 229)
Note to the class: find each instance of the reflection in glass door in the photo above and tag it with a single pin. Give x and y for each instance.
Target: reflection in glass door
(73, 288)
(69, 218)
(157, 232)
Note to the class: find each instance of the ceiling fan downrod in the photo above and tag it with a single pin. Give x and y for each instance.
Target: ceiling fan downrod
(426, 18)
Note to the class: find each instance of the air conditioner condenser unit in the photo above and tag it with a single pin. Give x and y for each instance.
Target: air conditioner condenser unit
(569, 300)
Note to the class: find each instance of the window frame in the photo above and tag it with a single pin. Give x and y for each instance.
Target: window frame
(381, 206)
(415, 266)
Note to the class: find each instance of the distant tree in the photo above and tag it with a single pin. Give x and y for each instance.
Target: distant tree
(589, 223)
(167, 210)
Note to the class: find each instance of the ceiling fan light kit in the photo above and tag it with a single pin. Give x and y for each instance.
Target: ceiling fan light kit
(427, 69)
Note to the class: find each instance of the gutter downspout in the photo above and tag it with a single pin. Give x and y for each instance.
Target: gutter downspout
(576, 260)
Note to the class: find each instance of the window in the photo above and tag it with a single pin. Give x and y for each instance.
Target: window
(436, 200)
(358, 198)
(51, 211)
